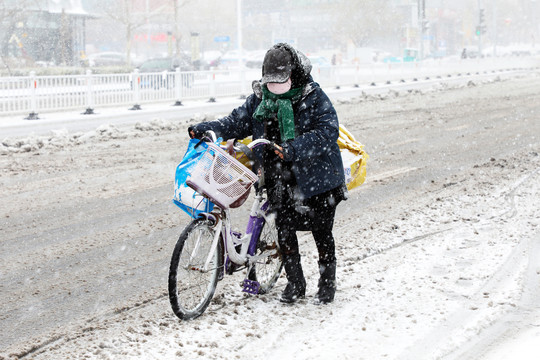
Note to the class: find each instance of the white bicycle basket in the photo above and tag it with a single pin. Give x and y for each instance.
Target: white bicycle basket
(222, 178)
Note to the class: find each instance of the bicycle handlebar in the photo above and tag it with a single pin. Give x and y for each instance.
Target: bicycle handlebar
(259, 142)
(210, 136)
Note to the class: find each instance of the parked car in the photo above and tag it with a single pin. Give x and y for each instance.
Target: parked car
(410, 55)
(390, 59)
(231, 59)
(321, 65)
(319, 61)
(254, 59)
(211, 58)
(166, 66)
(109, 58)
(470, 52)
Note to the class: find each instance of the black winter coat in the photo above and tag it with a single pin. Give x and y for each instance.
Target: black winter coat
(314, 152)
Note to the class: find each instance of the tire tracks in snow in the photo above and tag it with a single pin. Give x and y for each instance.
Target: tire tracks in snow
(466, 334)
(520, 317)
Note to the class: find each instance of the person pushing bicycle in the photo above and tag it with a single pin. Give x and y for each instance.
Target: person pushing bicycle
(303, 171)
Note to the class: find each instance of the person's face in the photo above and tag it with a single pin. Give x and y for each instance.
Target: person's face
(279, 88)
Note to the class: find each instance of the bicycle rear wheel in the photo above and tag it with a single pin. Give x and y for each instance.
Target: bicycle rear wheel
(191, 285)
(267, 269)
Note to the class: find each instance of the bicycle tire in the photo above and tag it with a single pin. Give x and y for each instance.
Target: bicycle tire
(190, 288)
(267, 270)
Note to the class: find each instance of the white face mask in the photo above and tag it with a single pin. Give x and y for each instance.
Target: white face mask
(279, 88)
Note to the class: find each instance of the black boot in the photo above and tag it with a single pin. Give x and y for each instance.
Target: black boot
(327, 283)
(296, 287)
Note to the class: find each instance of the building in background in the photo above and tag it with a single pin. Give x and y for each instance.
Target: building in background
(43, 31)
(64, 32)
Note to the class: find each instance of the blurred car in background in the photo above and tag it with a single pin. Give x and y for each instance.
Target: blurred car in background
(109, 58)
(410, 55)
(112, 58)
(390, 59)
(254, 59)
(470, 52)
(231, 59)
(211, 58)
(319, 61)
(166, 66)
(321, 65)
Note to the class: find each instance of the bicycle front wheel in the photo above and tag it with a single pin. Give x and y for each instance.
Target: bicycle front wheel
(267, 268)
(195, 270)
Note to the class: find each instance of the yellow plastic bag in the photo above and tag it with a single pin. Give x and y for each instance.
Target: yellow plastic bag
(352, 153)
(240, 156)
(354, 158)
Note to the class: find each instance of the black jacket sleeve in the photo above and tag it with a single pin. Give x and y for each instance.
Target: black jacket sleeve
(237, 125)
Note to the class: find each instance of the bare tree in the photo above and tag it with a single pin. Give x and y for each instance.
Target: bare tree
(133, 18)
(177, 5)
(11, 14)
(122, 11)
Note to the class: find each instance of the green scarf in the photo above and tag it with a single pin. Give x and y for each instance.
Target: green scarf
(282, 106)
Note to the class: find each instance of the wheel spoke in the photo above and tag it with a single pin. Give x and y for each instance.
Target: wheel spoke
(267, 261)
(191, 282)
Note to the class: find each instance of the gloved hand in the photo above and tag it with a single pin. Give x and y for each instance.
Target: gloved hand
(284, 151)
(194, 133)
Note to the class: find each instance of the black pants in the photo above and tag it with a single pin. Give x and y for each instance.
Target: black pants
(315, 214)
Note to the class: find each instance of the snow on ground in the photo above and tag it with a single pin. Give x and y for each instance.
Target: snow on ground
(428, 288)
(451, 274)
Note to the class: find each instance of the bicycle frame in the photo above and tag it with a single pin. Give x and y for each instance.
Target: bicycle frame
(257, 217)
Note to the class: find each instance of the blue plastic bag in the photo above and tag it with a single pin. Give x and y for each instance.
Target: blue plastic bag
(185, 197)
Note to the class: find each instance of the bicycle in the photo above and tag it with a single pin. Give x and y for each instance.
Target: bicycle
(208, 248)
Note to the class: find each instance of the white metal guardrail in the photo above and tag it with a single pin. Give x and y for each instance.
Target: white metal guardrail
(33, 94)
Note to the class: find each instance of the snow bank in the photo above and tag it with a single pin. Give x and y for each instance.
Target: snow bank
(60, 139)
(438, 86)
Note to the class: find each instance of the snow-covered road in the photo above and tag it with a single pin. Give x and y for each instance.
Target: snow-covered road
(439, 251)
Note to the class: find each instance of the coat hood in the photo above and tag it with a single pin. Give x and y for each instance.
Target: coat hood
(301, 70)
(300, 75)
(303, 64)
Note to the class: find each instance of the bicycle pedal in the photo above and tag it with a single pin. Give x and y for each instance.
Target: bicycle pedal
(251, 287)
